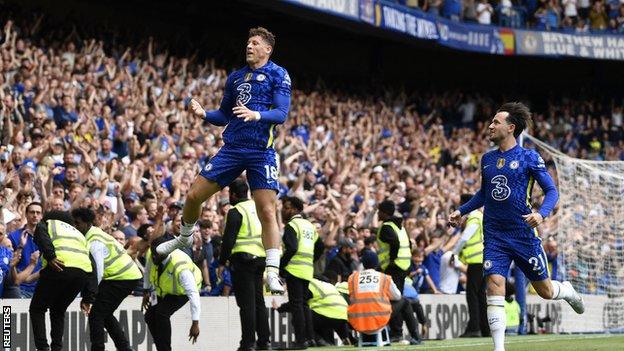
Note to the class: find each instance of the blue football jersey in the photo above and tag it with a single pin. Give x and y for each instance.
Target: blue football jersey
(257, 90)
(507, 179)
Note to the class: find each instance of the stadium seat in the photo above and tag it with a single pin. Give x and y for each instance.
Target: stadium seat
(382, 338)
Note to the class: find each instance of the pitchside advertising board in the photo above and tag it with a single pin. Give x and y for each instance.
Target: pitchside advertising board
(220, 324)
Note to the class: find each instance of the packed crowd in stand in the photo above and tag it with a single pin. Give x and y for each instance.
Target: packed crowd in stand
(569, 16)
(84, 124)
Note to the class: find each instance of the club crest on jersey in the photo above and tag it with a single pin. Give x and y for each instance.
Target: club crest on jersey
(260, 77)
(248, 77)
(501, 163)
(514, 164)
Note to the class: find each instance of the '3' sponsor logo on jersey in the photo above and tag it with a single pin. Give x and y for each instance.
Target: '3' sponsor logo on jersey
(501, 191)
(243, 93)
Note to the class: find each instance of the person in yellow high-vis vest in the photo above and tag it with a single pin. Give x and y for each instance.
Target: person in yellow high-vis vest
(171, 279)
(66, 268)
(242, 247)
(512, 310)
(117, 275)
(329, 312)
(469, 250)
(302, 247)
(395, 254)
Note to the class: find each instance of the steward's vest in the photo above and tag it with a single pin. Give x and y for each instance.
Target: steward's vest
(168, 283)
(118, 265)
(326, 300)
(369, 301)
(301, 265)
(512, 311)
(472, 252)
(249, 237)
(343, 288)
(404, 256)
(70, 246)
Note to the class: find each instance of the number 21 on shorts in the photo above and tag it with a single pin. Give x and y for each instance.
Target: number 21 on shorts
(271, 172)
(536, 261)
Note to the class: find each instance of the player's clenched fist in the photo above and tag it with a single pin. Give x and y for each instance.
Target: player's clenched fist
(197, 109)
(534, 219)
(454, 218)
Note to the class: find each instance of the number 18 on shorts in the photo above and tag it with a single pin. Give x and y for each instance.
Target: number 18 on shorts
(262, 167)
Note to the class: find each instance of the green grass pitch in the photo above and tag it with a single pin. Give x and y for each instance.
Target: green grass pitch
(598, 342)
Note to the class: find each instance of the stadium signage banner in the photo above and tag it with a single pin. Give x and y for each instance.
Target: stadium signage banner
(606, 47)
(220, 324)
(348, 8)
(412, 23)
(471, 37)
(486, 39)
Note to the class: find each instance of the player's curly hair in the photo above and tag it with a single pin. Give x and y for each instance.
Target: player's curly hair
(84, 214)
(294, 201)
(519, 116)
(263, 33)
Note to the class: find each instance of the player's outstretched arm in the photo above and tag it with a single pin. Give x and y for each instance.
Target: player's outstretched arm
(216, 117)
(474, 203)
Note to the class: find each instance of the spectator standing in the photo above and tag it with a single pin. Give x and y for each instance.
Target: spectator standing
(598, 16)
(205, 231)
(617, 24)
(552, 252)
(470, 11)
(6, 256)
(10, 278)
(23, 240)
(569, 9)
(553, 14)
(419, 273)
(138, 217)
(583, 9)
(452, 10)
(484, 12)
(434, 6)
(450, 272)
(343, 263)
